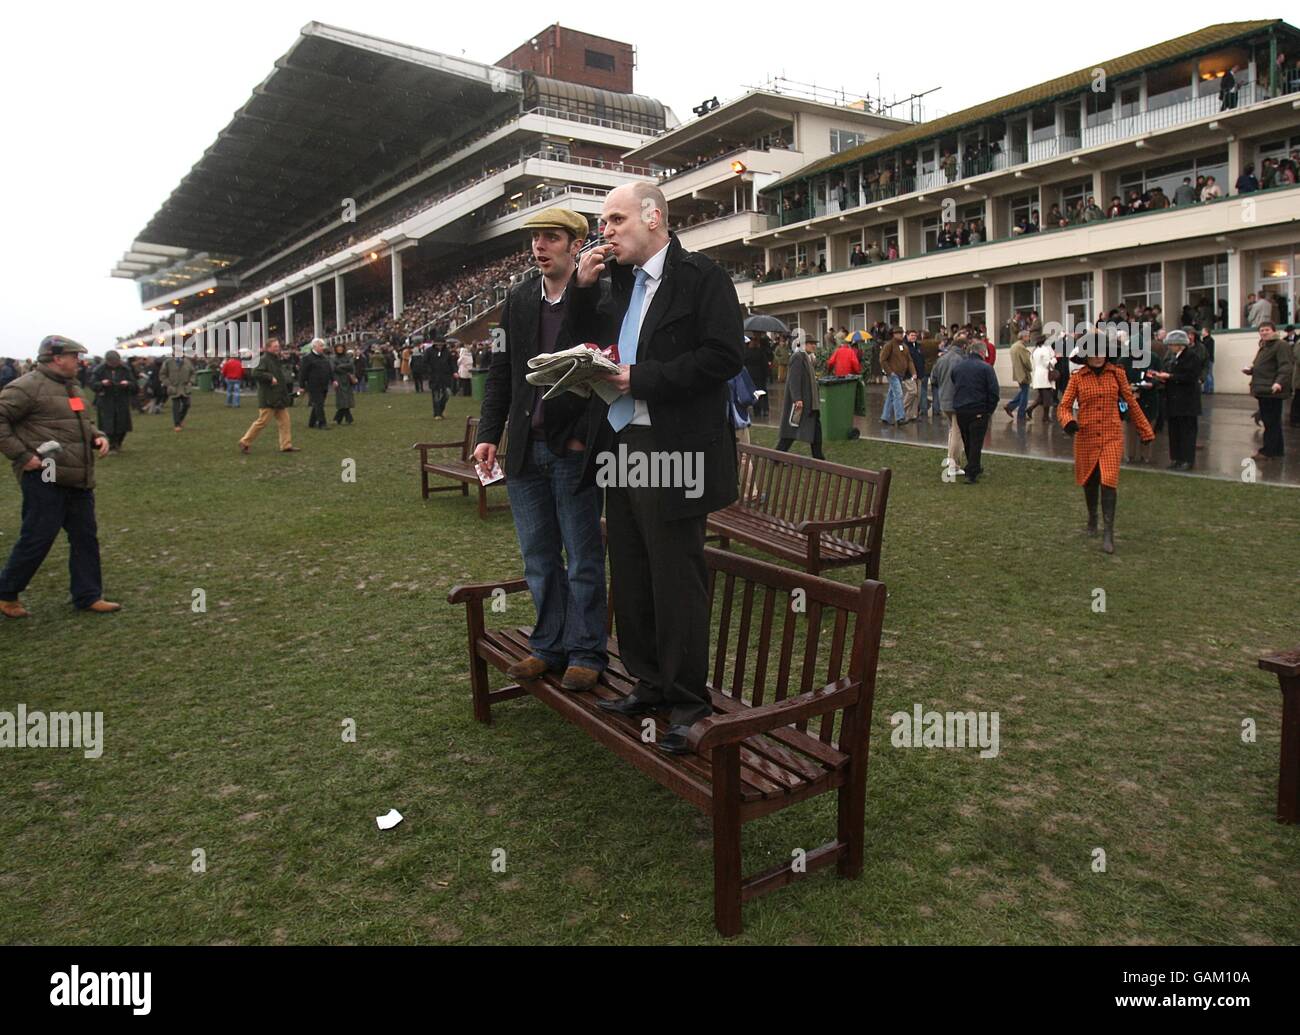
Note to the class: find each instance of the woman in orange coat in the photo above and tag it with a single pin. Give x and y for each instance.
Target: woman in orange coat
(1101, 389)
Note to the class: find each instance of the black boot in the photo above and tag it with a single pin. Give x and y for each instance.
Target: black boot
(1090, 497)
(1108, 518)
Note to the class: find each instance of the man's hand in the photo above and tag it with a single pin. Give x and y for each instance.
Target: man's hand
(798, 406)
(274, 381)
(105, 381)
(100, 443)
(33, 463)
(622, 380)
(592, 265)
(485, 453)
(1277, 388)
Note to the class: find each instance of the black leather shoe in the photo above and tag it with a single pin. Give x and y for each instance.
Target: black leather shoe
(674, 741)
(629, 706)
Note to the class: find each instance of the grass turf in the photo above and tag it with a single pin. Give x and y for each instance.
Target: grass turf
(326, 601)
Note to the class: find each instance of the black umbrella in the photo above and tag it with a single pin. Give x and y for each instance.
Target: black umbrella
(765, 324)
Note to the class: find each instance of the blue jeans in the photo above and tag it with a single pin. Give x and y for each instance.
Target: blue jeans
(232, 391)
(924, 408)
(570, 601)
(893, 400)
(1020, 401)
(47, 508)
(1208, 387)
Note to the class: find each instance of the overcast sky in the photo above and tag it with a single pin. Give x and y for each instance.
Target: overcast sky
(107, 106)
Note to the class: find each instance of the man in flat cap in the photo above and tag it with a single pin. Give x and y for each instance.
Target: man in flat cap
(46, 431)
(549, 443)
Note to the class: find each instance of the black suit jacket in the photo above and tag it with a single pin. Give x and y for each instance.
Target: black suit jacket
(689, 348)
(1183, 389)
(508, 397)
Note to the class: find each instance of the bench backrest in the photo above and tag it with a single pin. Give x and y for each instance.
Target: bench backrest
(471, 433)
(796, 488)
(778, 633)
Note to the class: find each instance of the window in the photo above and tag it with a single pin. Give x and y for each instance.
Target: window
(596, 59)
(1073, 193)
(1042, 124)
(1166, 86)
(1206, 282)
(929, 233)
(1022, 207)
(1129, 101)
(1100, 109)
(1139, 286)
(1026, 295)
(1078, 300)
(932, 313)
(845, 140)
(1276, 278)
(975, 306)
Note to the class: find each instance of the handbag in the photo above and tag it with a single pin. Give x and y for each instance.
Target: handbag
(1123, 406)
(1053, 374)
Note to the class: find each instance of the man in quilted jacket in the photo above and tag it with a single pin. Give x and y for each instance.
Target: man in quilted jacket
(47, 433)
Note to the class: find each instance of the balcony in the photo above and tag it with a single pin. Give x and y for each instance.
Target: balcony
(718, 170)
(728, 229)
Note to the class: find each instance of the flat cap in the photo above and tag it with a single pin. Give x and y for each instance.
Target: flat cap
(1177, 338)
(57, 345)
(558, 219)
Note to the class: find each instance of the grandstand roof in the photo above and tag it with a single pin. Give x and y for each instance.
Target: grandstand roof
(1180, 47)
(338, 109)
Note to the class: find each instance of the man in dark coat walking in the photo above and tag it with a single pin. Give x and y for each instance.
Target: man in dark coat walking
(1182, 381)
(441, 367)
(801, 407)
(679, 330)
(114, 387)
(316, 375)
(974, 399)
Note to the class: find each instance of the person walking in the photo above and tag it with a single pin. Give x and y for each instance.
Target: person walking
(941, 383)
(1022, 373)
(272, 399)
(896, 363)
(419, 369)
(1182, 401)
(316, 375)
(465, 369)
(177, 377)
(1270, 374)
(114, 386)
(232, 372)
(974, 400)
(344, 379)
(441, 366)
(915, 403)
(57, 482)
(801, 408)
(1042, 361)
(1105, 401)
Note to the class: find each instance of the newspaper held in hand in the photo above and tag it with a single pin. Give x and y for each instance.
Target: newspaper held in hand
(579, 370)
(487, 475)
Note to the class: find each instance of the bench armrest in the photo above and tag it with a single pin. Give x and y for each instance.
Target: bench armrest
(718, 730)
(826, 526)
(482, 590)
(424, 447)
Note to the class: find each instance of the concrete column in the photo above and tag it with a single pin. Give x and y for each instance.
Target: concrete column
(1100, 302)
(397, 284)
(264, 319)
(340, 305)
(831, 265)
(317, 320)
(1171, 292)
(995, 314)
(1053, 307)
(1240, 284)
(288, 319)
(1237, 159)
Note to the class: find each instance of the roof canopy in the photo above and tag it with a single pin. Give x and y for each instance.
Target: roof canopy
(338, 110)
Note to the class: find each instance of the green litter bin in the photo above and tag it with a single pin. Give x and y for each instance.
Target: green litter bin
(838, 395)
(375, 379)
(205, 379)
(478, 382)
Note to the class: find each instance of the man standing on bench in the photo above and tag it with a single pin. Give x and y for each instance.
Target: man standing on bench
(551, 502)
(679, 330)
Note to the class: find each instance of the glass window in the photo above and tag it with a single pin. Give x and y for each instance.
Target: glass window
(975, 306)
(1099, 110)
(1139, 286)
(1078, 300)
(1205, 282)
(1022, 207)
(932, 313)
(1170, 85)
(929, 233)
(1042, 123)
(891, 312)
(1026, 295)
(1276, 278)
(844, 140)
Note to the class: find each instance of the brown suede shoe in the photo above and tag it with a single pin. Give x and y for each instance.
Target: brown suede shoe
(578, 678)
(13, 609)
(529, 668)
(103, 607)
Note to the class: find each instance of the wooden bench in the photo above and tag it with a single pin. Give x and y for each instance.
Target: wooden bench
(1286, 665)
(809, 512)
(461, 470)
(793, 682)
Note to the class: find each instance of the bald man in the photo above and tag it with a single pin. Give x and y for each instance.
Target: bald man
(678, 326)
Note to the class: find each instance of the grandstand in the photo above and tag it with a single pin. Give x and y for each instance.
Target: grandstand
(371, 189)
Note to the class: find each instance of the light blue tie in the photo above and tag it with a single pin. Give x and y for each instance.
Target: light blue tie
(622, 409)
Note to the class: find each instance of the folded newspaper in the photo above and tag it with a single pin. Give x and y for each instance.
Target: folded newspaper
(579, 370)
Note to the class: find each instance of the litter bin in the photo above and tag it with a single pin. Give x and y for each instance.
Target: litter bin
(478, 382)
(838, 395)
(205, 379)
(375, 379)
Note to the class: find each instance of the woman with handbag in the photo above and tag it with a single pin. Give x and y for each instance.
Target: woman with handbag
(1105, 401)
(1042, 378)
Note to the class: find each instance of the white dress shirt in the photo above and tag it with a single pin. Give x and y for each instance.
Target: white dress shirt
(654, 269)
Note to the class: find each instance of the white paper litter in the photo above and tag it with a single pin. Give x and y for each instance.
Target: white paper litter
(389, 820)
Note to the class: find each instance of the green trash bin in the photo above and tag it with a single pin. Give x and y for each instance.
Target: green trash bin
(205, 379)
(478, 382)
(838, 395)
(375, 379)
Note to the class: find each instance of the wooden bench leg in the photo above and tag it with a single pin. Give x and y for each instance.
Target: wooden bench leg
(478, 676)
(852, 803)
(482, 503)
(726, 840)
(1288, 776)
(424, 484)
